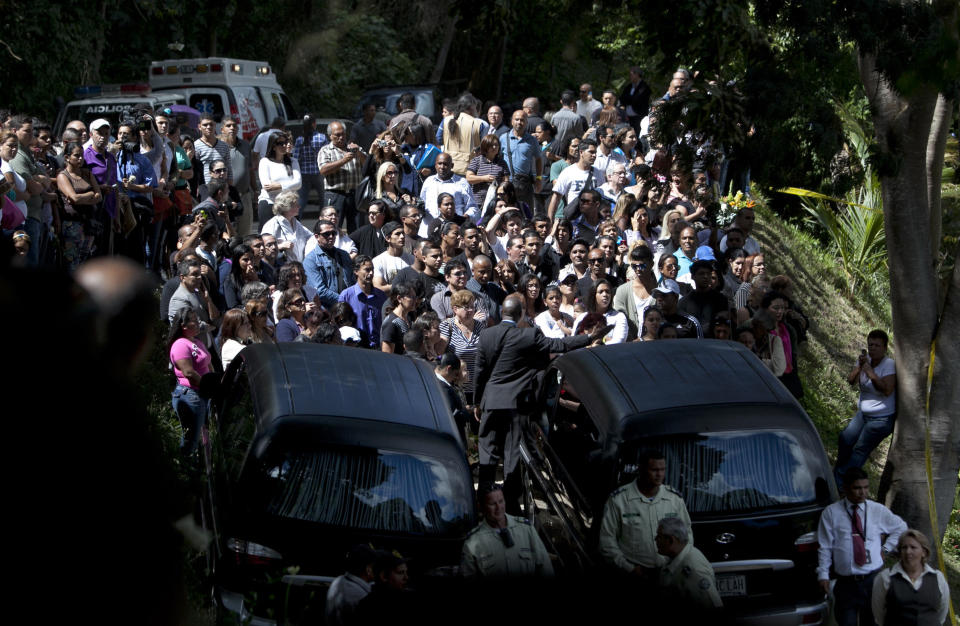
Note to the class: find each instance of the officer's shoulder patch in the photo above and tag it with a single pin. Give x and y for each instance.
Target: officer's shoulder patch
(619, 490)
(672, 490)
(474, 530)
(524, 520)
(704, 583)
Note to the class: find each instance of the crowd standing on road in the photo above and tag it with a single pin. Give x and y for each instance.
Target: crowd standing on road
(493, 240)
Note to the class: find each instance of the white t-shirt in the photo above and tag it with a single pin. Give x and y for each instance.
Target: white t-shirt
(573, 179)
(549, 326)
(618, 334)
(260, 143)
(386, 266)
(18, 183)
(872, 402)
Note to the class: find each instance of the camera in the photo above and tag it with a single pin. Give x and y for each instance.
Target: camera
(233, 209)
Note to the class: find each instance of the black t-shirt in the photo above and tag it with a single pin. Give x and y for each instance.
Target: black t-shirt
(704, 306)
(392, 331)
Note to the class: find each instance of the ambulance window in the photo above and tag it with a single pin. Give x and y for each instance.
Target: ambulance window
(211, 103)
(288, 106)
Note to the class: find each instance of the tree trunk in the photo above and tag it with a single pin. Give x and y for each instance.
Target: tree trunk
(448, 34)
(936, 146)
(902, 125)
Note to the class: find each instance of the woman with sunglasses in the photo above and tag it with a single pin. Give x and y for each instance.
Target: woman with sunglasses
(279, 171)
(291, 308)
(243, 270)
(256, 308)
(634, 297)
(485, 169)
(292, 276)
(460, 334)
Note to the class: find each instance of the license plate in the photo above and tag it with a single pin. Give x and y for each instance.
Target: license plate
(732, 585)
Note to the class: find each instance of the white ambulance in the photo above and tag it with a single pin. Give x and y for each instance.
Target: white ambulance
(244, 89)
(113, 103)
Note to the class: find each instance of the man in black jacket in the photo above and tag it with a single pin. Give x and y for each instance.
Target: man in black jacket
(509, 360)
(635, 97)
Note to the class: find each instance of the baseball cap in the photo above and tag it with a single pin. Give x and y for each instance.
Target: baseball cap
(98, 123)
(569, 279)
(704, 253)
(668, 285)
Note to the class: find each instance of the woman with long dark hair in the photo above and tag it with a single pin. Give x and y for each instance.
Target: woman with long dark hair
(191, 362)
(81, 195)
(403, 297)
(242, 271)
(279, 171)
(600, 301)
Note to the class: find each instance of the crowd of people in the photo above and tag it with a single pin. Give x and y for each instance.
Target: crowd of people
(578, 225)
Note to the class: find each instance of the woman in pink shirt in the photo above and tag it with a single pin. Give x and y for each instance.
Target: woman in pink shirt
(191, 361)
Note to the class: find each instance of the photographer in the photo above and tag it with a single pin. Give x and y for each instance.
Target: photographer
(215, 208)
(232, 204)
(876, 375)
(138, 180)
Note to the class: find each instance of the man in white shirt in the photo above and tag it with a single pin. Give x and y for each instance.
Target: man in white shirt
(850, 537)
(572, 180)
(393, 259)
(445, 181)
(606, 144)
(586, 105)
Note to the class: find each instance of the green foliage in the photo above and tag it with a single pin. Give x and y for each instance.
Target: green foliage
(330, 67)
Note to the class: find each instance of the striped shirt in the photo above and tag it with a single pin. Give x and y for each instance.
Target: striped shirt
(464, 348)
(208, 155)
(306, 152)
(482, 166)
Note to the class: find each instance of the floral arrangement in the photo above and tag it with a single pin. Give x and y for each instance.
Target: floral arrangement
(730, 205)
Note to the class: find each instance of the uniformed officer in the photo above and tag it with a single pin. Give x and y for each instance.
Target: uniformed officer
(503, 545)
(687, 577)
(631, 516)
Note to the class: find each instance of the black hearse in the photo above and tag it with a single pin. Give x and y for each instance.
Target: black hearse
(744, 455)
(316, 448)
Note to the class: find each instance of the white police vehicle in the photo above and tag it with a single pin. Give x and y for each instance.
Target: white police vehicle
(112, 102)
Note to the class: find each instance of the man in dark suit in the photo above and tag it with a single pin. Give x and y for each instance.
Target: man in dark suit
(636, 98)
(508, 362)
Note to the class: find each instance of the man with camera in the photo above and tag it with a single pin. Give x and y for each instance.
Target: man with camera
(216, 207)
(341, 165)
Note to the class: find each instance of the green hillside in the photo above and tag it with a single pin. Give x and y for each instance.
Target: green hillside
(838, 328)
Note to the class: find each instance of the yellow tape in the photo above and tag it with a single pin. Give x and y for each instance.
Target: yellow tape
(806, 193)
(931, 493)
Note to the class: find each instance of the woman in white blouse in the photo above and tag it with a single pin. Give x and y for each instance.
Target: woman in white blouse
(600, 301)
(292, 236)
(279, 172)
(553, 322)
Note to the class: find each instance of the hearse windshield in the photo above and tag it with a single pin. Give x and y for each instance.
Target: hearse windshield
(734, 471)
(365, 488)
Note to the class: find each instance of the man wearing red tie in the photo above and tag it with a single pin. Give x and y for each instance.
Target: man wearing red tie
(851, 541)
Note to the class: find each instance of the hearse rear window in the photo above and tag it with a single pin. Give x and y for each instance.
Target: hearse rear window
(735, 471)
(362, 488)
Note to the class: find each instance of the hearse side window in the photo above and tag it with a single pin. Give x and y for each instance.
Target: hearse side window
(736, 471)
(236, 423)
(380, 490)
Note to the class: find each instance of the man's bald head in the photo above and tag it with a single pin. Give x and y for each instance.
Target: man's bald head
(512, 308)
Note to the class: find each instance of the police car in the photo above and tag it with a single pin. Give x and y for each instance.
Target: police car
(112, 102)
(245, 89)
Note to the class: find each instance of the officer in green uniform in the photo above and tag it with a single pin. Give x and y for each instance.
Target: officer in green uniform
(631, 516)
(687, 577)
(503, 545)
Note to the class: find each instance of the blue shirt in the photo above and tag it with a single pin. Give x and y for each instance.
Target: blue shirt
(322, 272)
(306, 152)
(142, 170)
(521, 154)
(369, 310)
(683, 263)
